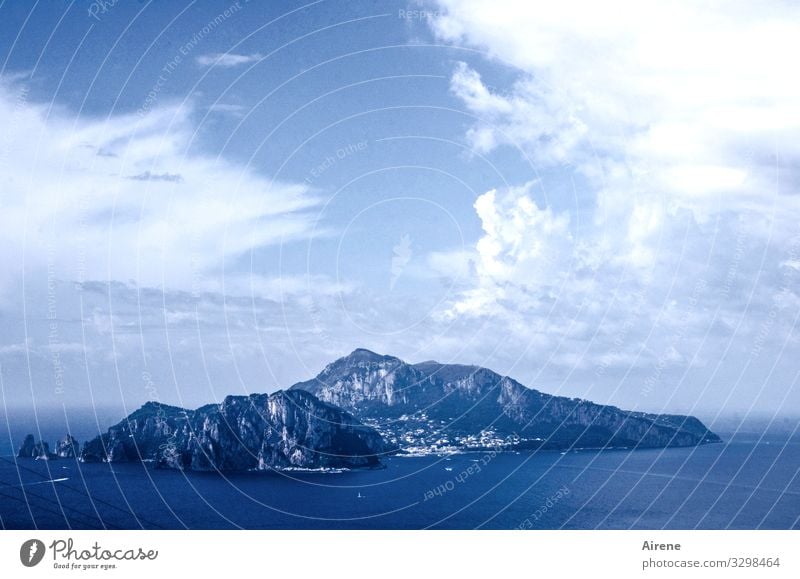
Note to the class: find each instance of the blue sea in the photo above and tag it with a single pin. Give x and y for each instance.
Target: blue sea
(747, 482)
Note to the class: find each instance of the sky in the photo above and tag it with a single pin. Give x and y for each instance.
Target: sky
(202, 199)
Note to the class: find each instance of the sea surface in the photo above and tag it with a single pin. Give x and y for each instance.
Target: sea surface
(747, 482)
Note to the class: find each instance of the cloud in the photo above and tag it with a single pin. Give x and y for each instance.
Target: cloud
(230, 109)
(19, 348)
(124, 198)
(227, 59)
(676, 125)
(531, 115)
(520, 235)
(701, 119)
(148, 176)
(657, 126)
(523, 248)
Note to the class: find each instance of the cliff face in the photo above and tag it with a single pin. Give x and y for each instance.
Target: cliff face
(370, 384)
(462, 402)
(281, 430)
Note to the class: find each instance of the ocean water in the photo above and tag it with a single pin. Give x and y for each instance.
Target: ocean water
(744, 483)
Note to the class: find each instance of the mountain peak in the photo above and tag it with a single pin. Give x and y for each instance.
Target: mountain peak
(363, 352)
(364, 355)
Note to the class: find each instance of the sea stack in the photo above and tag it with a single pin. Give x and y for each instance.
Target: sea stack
(67, 447)
(27, 450)
(32, 449)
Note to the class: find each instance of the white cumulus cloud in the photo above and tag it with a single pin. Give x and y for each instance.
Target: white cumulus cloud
(682, 104)
(677, 124)
(523, 247)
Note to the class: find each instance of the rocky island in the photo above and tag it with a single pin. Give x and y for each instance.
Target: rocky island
(67, 447)
(366, 405)
(433, 407)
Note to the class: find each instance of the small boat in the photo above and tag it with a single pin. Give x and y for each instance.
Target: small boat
(360, 496)
(448, 468)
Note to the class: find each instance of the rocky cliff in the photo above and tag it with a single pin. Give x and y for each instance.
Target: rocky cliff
(446, 405)
(260, 431)
(67, 447)
(32, 449)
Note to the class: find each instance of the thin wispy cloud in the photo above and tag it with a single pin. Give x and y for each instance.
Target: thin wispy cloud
(148, 176)
(147, 210)
(228, 109)
(227, 59)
